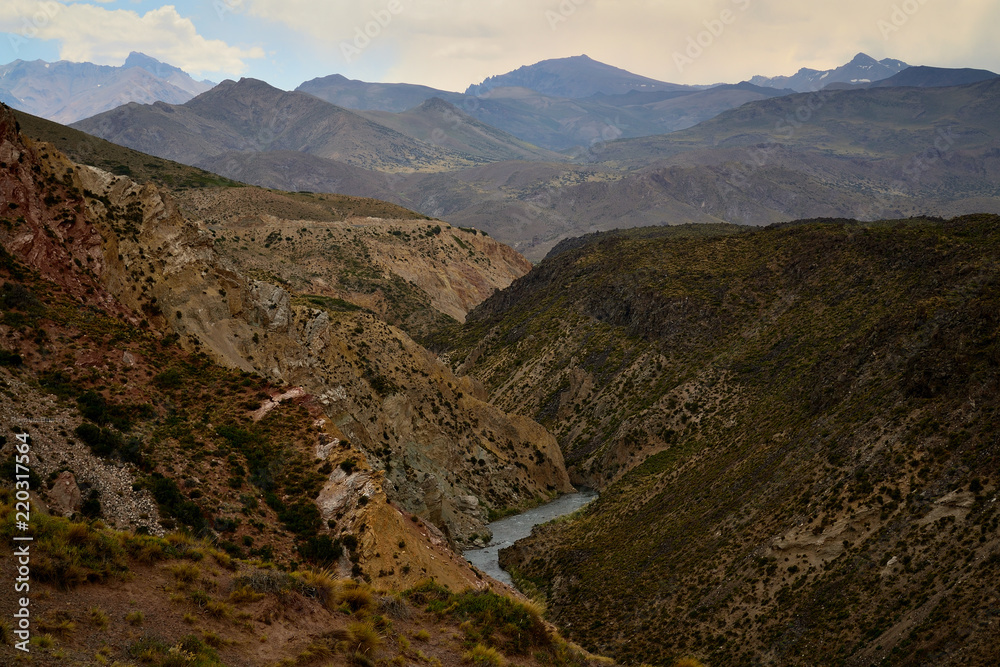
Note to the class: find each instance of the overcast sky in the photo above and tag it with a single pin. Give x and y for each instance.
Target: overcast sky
(450, 44)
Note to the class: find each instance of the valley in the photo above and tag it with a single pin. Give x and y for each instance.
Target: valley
(282, 357)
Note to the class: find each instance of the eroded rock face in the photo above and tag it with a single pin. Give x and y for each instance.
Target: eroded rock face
(428, 437)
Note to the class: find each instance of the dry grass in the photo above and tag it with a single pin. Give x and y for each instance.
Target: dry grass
(484, 655)
(363, 638)
(321, 584)
(185, 573)
(98, 618)
(358, 597)
(59, 624)
(244, 595)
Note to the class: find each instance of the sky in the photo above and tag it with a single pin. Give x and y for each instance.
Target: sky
(450, 44)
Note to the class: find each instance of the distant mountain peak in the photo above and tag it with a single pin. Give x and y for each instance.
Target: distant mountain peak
(139, 59)
(66, 91)
(862, 59)
(862, 68)
(572, 77)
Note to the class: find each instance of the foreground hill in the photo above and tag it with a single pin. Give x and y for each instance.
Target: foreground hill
(794, 431)
(410, 435)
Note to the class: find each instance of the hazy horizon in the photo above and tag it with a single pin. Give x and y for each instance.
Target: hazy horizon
(450, 45)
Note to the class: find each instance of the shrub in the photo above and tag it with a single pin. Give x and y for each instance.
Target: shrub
(320, 585)
(91, 507)
(184, 573)
(363, 638)
(321, 550)
(497, 620)
(10, 359)
(172, 502)
(688, 662)
(358, 597)
(59, 624)
(9, 468)
(98, 618)
(302, 518)
(169, 379)
(482, 655)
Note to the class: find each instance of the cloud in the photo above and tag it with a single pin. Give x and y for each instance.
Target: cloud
(451, 43)
(87, 33)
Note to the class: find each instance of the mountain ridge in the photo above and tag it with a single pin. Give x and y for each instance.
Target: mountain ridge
(861, 69)
(573, 77)
(66, 91)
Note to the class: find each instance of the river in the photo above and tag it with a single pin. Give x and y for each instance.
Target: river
(513, 528)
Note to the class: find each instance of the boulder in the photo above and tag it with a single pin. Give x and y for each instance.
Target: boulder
(64, 496)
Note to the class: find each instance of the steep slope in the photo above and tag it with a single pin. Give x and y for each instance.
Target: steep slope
(794, 430)
(407, 269)
(862, 69)
(414, 428)
(250, 115)
(88, 149)
(148, 437)
(66, 91)
(574, 77)
(178, 601)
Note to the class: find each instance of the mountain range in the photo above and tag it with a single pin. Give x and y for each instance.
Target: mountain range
(861, 69)
(272, 418)
(749, 165)
(66, 91)
(277, 362)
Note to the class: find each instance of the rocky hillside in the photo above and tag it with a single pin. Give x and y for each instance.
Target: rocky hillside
(155, 345)
(794, 430)
(406, 268)
(106, 597)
